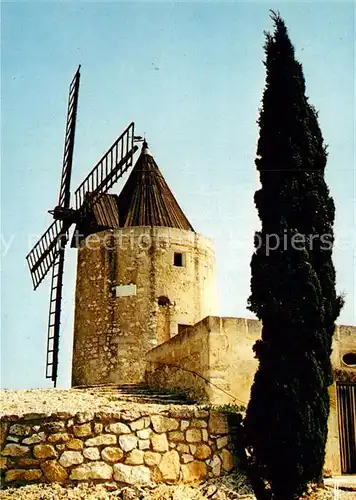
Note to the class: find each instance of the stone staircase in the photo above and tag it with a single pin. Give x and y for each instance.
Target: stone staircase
(136, 393)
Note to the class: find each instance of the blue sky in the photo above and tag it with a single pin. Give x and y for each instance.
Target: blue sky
(190, 75)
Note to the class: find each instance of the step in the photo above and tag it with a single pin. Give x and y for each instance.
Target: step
(136, 393)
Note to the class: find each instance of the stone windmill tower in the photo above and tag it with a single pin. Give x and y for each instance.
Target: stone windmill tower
(143, 275)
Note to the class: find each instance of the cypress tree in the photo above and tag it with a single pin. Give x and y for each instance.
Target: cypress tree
(292, 285)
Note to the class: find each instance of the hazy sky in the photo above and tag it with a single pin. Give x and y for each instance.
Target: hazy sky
(190, 75)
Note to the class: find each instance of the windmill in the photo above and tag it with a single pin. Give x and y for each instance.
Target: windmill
(49, 252)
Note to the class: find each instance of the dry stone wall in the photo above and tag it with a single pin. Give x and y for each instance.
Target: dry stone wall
(181, 444)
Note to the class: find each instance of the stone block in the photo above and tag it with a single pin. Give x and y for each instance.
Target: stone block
(69, 458)
(3, 463)
(215, 464)
(98, 428)
(200, 424)
(35, 438)
(137, 475)
(176, 436)
(218, 423)
(130, 415)
(112, 454)
(13, 439)
(53, 471)
(127, 442)
(204, 435)
(75, 444)
(184, 424)
(186, 458)
(221, 442)
(183, 448)
(144, 444)
(52, 427)
(144, 433)
(28, 462)
(194, 471)
(83, 430)
(202, 452)
(91, 453)
(198, 413)
(164, 424)
(4, 426)
(20, 430)
(84, 417)
(169, 466)
(227, 460)
(80, 473)
(101, 440)
(100, 470)
(152, 458)
(44, 451)
(59, 437)
(135, 457)
(118, 428)
(15, 450)
(139, 424)
(193, 435)
(23, 475)
(159, 442)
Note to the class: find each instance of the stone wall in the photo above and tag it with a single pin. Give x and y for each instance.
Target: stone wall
(130, 297)
(219, 351)
(180, 444)
(211, 361)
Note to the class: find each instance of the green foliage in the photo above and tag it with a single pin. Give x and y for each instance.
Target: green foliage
(293, 286)
(230, 408)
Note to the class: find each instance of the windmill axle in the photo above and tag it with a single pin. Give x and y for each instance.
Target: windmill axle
(65, 214)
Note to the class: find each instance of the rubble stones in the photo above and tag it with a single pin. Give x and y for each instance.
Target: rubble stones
(69, 458)
(91, 453)
(127, 442)
(44, 451)
(75, 444)
(159, 442)
(193, 435)
(132, 475)
(135, 457)
(152, 458)
(194, 471)
(118, 428)
(15, 450)
(53, 471)
(101, 439)
(112, 454)
(164, 424)
(82, 430)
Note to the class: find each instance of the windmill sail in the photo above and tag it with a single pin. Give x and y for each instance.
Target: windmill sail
(49, 250)
(109, 169)
(42, 256)
(64, 192)
(54, 317)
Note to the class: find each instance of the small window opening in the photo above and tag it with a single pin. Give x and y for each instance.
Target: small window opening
(349, 359)
(178, 259)
(181, 328)
(163, 301)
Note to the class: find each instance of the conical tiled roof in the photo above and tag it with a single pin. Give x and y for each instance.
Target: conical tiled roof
(146, 199)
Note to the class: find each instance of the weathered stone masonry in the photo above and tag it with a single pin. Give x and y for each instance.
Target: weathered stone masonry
(130, 297)
(182, 444)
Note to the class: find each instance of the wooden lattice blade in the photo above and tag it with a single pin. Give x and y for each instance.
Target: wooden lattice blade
(54, 317)
(41, 257)
(109, 169)
(64, 192)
